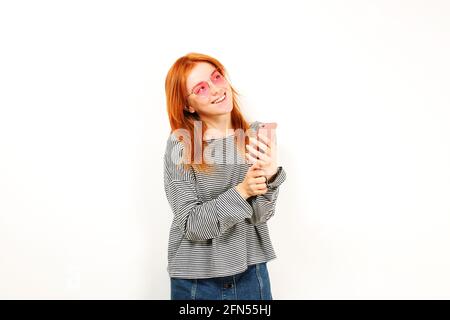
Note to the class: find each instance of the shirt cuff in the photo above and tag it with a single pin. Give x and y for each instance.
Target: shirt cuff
(277, 179)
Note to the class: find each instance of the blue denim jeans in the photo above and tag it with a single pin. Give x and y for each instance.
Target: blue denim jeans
(252, 284)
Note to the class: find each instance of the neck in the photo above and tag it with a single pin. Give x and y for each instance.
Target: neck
(219, 126)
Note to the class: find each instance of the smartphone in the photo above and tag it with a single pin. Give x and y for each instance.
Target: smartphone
(269, 130)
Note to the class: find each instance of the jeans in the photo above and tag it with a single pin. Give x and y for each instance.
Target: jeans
(252, 284)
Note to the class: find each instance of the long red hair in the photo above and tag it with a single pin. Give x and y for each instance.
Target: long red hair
(181, 119)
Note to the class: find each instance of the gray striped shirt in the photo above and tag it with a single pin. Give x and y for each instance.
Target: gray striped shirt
(213, 233)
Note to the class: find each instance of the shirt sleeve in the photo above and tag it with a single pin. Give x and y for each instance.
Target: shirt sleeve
(196, 219)
(264, 205)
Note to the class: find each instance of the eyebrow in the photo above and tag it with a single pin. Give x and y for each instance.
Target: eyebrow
(203, 81)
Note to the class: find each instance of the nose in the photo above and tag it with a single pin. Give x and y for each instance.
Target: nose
(214, 89)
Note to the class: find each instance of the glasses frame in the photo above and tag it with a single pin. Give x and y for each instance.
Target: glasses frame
(209, 85)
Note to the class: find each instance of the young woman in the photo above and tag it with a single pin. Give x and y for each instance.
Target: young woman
(221, 180)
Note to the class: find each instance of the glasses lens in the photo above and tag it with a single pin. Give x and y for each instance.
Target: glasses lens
(202, 89)
(218, 78)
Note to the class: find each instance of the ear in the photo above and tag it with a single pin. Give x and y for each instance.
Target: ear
(189, 109)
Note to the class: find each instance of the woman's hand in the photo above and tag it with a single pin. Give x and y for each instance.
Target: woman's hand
(254, 183)
(265, 159)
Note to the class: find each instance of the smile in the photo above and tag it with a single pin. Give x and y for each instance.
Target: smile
(219, 100)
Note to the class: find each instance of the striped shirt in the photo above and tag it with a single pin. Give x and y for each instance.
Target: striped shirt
(215, 232)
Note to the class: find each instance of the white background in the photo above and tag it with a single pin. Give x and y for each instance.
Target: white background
(360, 90)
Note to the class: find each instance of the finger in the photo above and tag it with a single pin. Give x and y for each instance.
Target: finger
(257, 153)
(260, 192)
(264, 138)
(257, 179)
(262, 146)
(257, 173)
(260, 180)
(252, 160)
(271, 142)
(260, 186)
(256, 163)
(257, 186)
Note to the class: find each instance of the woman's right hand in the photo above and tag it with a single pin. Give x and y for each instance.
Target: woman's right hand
(254, 182)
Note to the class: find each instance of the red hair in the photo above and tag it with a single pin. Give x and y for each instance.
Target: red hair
(181, 119)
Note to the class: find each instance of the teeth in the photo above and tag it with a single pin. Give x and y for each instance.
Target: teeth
(220, 99)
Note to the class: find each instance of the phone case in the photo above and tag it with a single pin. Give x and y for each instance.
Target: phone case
(269, 130)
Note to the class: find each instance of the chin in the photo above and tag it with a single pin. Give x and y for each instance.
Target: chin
(228, 107)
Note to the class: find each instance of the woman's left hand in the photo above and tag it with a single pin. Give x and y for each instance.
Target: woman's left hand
(267, 158)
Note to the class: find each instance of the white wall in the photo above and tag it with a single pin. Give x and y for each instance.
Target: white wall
(360, 90)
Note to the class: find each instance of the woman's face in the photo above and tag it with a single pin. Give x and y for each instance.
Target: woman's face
(208, 86)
